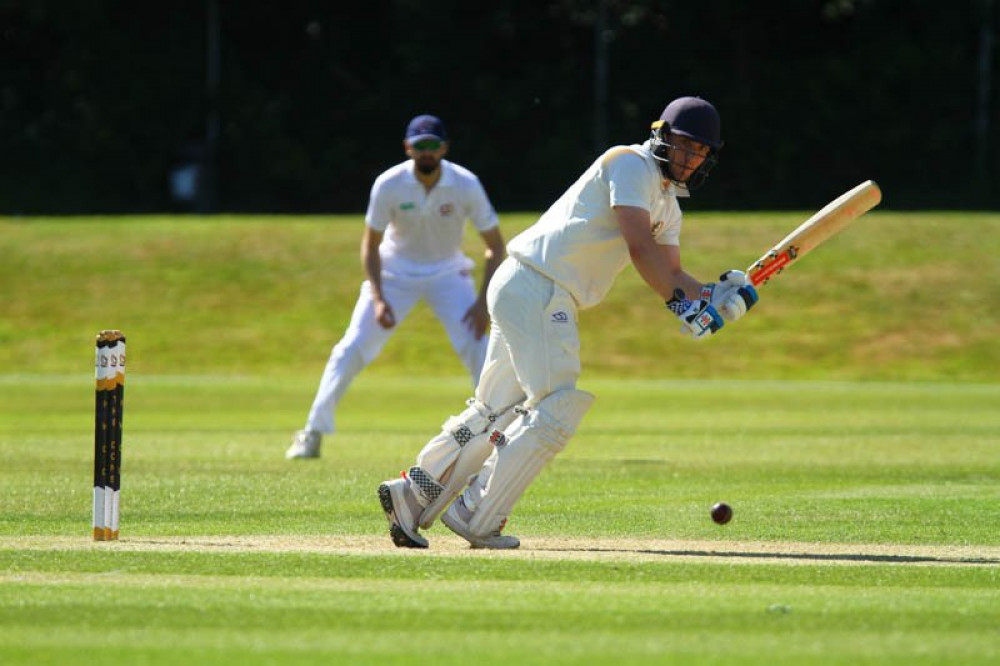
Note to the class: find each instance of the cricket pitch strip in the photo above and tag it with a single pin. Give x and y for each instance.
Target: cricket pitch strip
(444, 544)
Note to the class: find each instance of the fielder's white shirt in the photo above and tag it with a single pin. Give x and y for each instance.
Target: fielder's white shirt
(423, 230)
(577, 242)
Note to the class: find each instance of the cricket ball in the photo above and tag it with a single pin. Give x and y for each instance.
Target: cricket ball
(722, 513)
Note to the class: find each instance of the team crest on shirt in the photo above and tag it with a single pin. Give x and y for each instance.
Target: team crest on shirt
(446, 209)
(407, 205)
(657, 227)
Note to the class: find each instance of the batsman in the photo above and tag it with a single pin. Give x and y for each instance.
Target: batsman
(623, 209)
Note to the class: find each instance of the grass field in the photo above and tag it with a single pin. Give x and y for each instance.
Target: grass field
(897, 296)
(851, 421)
(865, 530)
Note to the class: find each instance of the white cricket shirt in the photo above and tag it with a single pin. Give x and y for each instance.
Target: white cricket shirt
(577, 242)
(423, 230)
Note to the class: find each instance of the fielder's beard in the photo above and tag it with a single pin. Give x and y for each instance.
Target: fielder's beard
(427, 168)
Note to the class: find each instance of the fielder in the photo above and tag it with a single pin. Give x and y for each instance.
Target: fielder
(526, 407)
(411, 251)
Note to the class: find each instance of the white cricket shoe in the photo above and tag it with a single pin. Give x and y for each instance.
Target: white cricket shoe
(402, 510)
(305, 444)
(457, 518)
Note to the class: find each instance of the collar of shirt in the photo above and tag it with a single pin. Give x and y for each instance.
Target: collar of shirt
(446, 180)
(675, 190)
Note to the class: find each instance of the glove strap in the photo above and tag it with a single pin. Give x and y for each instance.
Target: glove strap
(678, 303)
(749, 294)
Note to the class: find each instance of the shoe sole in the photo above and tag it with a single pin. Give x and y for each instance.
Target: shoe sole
(294, 453)
(301, 456)
(399, 536)
(474, 542)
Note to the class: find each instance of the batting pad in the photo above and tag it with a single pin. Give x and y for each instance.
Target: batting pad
(467, 462)
(457, 453)
(542, 434)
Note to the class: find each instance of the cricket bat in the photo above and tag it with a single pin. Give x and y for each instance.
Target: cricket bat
(833, 217)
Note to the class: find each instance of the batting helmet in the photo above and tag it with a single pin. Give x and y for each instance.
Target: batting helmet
(696, 119)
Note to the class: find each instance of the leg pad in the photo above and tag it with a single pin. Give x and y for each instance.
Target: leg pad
(535, 440)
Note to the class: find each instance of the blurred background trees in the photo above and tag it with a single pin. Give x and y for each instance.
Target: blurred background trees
(297, 106)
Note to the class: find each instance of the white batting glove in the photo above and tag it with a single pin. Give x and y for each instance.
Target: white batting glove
(732, 295)
(699, 319)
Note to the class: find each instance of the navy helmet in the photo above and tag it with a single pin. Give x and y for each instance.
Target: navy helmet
(695, 119)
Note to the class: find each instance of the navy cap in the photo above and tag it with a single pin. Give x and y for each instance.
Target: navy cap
(426, 127)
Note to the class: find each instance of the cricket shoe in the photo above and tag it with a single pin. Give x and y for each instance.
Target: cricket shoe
(402, 510)
(305, 444)
(457, 519)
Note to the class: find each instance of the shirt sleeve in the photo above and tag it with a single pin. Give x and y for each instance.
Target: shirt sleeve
(379, 212)
(480, 210)
(628, 180)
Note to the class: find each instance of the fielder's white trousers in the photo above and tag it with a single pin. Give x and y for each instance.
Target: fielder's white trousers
(534, 346)
(449, 294)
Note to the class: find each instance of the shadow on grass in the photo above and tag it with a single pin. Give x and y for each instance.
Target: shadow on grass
(820, 557)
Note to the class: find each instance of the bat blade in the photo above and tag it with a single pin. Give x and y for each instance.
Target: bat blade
(829, 220)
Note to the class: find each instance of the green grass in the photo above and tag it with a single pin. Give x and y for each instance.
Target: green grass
(895, 296)
(851, 420)
(866, 485)
(373, 610)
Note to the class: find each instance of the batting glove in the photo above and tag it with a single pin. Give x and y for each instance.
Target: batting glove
(732, 295)
(699, 319)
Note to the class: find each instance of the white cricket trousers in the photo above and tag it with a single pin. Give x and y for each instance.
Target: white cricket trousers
(534, 346)
(449, 294)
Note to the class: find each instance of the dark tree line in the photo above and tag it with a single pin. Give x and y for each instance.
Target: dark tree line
(298, 105)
